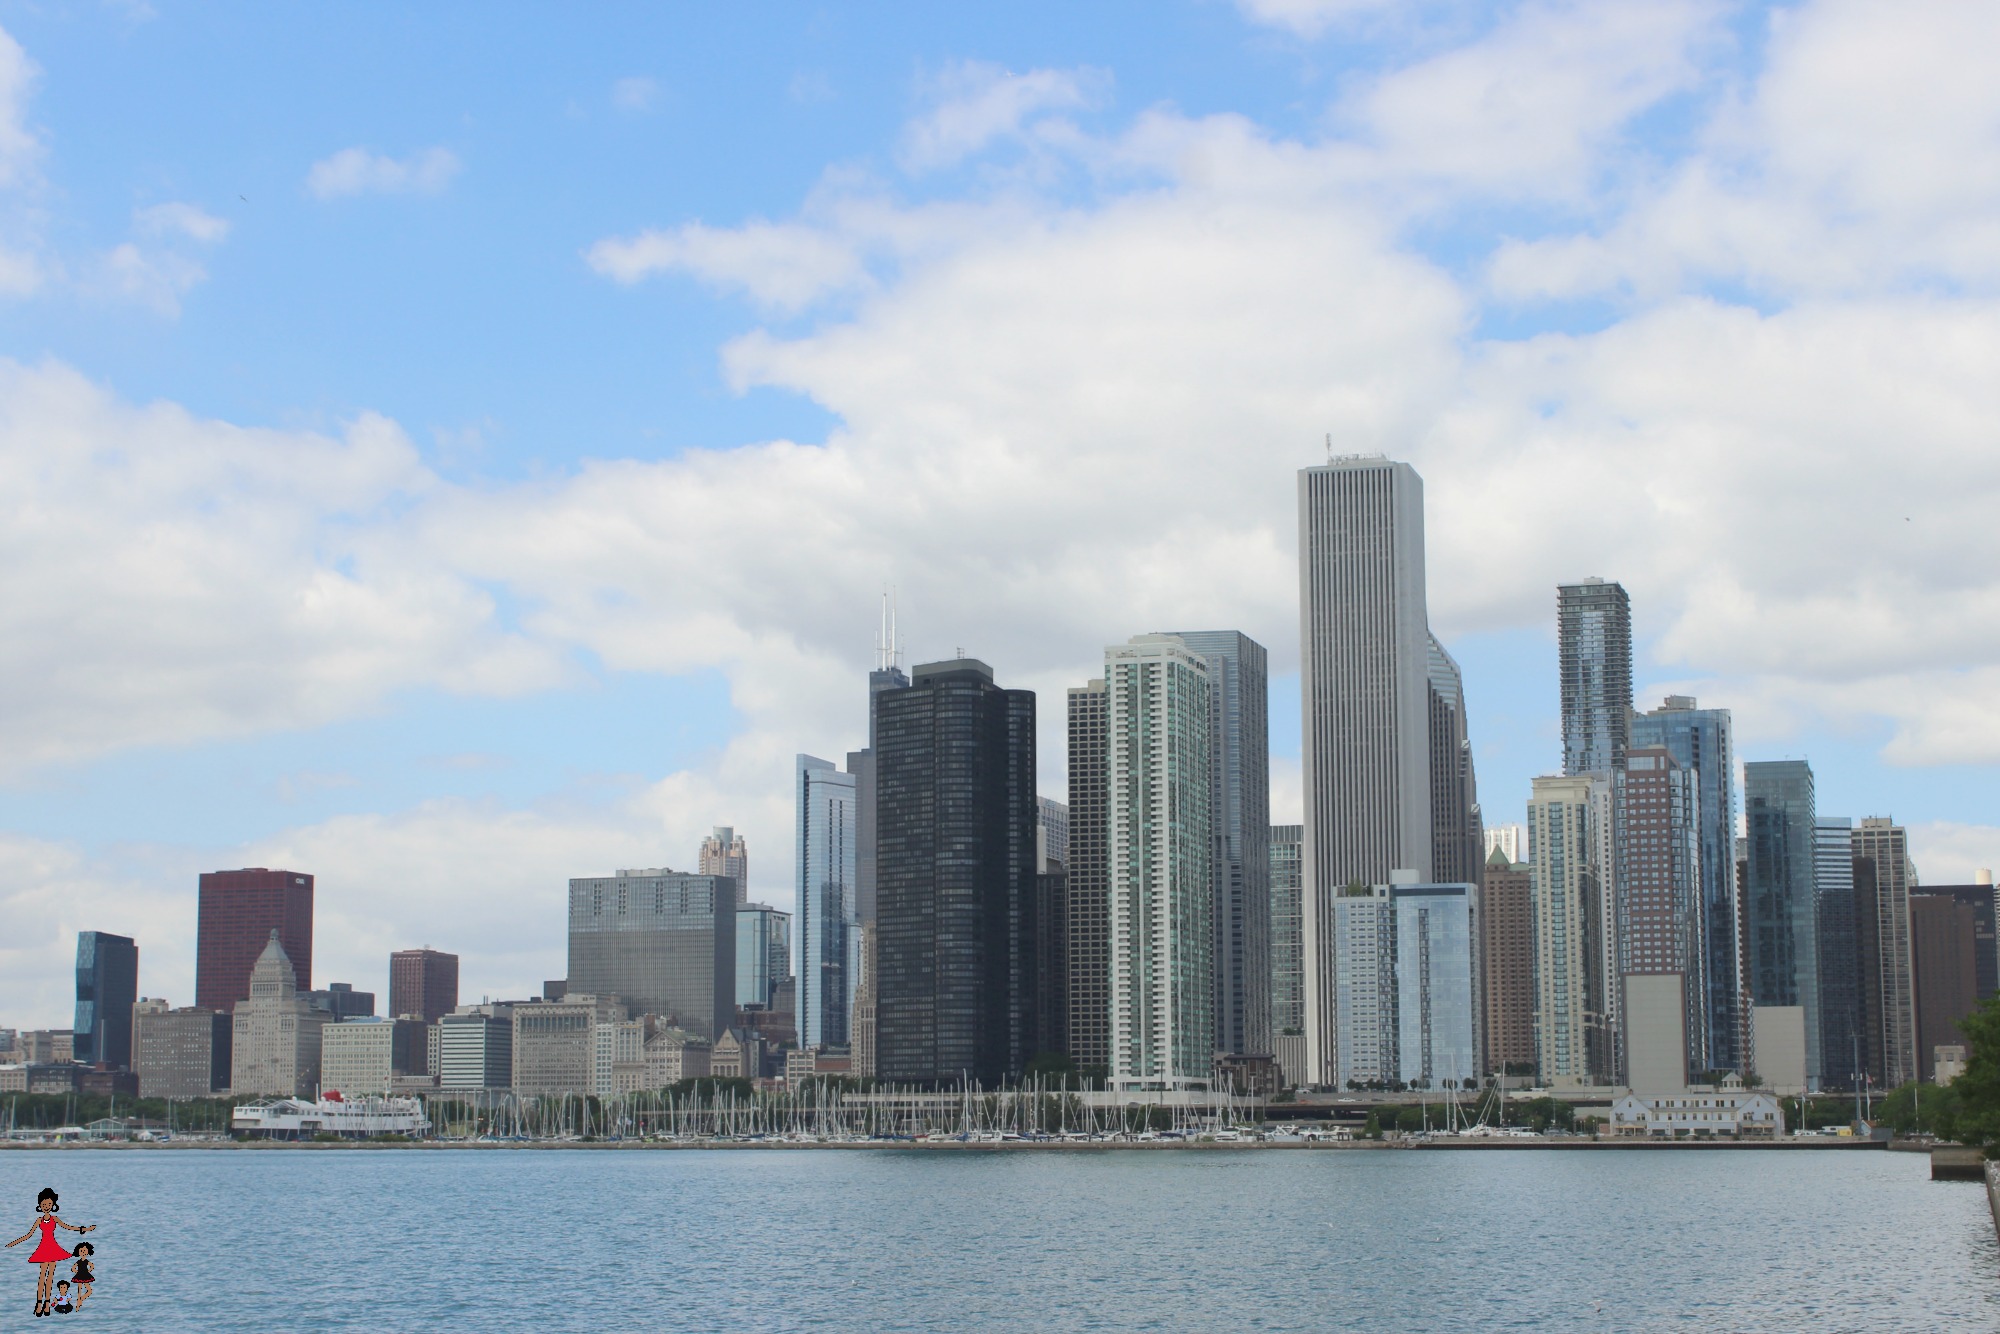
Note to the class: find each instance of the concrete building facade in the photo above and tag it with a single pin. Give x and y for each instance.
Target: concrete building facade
(663, 942)
(275, 1033)
(180, 1053)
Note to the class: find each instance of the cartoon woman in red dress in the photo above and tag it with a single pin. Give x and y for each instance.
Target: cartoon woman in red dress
(49, 1253)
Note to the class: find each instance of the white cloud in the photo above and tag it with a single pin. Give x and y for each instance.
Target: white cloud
(181, 219)
(1952, 854)
(635, 94)
(976, 103)
(356, 171)
(1309, 18)
(780, 265)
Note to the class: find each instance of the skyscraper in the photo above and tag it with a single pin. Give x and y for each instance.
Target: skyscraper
(1563, 814)
(1507, 963)
(275, 1032)
(1160, 836)
(724, 852)
(1781, 904)
(1089, 880)
(423, 983)
(955, 877)
(1458, 840)
(829, 943)
(1438, 1023)
(763, 953)
(1945, 973)
(1365, 682)
(1842, 1013)
(886, 676)
(1883, 842)
(237, 913)
(1240, 803)
(107, 986)
(1594, 640)
(1658, 926)
(663, 942)
(1363, 926)
(1700, 740)
(1051, 833)
(1288, 998)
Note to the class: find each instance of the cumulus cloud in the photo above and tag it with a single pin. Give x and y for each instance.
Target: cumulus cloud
(975, 103)
(356, 171)
(181, 219)
(781, 265)
(1308, 18)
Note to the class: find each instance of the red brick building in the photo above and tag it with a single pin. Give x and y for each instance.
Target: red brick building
(423, 983)
(239, 911)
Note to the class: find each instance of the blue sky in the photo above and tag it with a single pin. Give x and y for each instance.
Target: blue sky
(455, 450)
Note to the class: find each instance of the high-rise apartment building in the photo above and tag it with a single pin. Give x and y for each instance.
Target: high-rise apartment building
(827, 920)
(1781, 904)
(275, 1032)
(238, 912)
(1288, 995)
(955, 877)
(1363, 927)
(1883, 842)
(1458, 837)
(1087, 891)
(423, 984)
(1240, 805)
(1439, 1028)
(1658, 925)
(724, 852)
(1700, 741)
(179, 1053)
(1365, 681)
(663, 942)
(1944, 940)
(1843, 1015)
(1159, 834)
(1510, 839)
(763, 953)
(1507, 963)
(107, 986)
(1573, 920)
(1594, 642)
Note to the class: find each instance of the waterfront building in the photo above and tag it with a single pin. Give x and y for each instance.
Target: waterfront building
(180, 1053)
(48, 1046)
(763, 953)
(1594, 644)
(275, 1032)
(1658, 925)
(1945, 974)
(674, 1054)
(1883, 842)
(1439, 1033)
(367, 1055)
(663, 942)
(724, 852)
(1843, 981)
(423, 984)
(1700, 740)
(1288, 998)
(737, 1054)
(1239, 750)
(107, 986)
(476, 1047)
(956, 818)
(1510, 839)
(1730, 1110)
(1088, 880)
(1364, 972)
(1507, 963)
(826, 900)
(570, 1045)
(1366, 654)
(237, 913)
(1159, 837)
(1573, 915)
(1780, 903)
(341, 1001)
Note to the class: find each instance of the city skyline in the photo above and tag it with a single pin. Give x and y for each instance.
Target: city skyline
(333, 549)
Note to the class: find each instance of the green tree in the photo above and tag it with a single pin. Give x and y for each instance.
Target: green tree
(1976, 1115)
(1925, 1110)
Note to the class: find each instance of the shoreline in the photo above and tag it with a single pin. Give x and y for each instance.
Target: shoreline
(957, 1146)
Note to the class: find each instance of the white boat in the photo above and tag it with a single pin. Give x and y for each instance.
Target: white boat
(357, 1118)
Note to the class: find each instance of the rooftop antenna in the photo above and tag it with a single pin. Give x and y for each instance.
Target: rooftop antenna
(1329, 446)
(888, 652)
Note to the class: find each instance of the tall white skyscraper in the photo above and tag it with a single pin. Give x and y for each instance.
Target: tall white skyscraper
(1162, 890)
(1365, 645)
(828, 933)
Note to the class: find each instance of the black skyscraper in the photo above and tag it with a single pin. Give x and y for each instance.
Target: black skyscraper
(955, 877)
(107, 985)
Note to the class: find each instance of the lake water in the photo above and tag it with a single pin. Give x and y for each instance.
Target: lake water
(911, 1240)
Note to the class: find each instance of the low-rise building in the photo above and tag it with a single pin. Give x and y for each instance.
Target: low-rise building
(566, 1046)
(363, 1056)
(47, 1046)
(737, 1054)
(1730, 1110)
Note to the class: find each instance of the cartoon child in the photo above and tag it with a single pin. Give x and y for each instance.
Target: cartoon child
(62, 1306)
(82, 1276)
(48, 1254)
